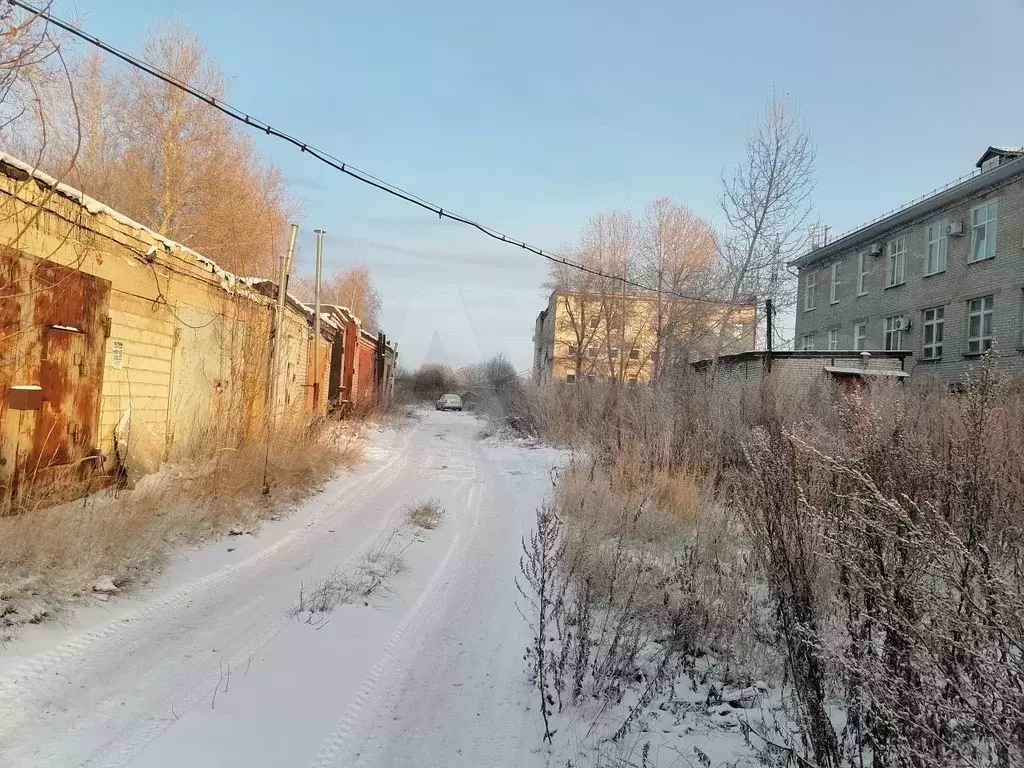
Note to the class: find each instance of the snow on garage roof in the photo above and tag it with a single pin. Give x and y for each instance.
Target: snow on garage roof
(228, 280)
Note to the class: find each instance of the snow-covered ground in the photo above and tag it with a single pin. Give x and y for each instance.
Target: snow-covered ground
(207, 667)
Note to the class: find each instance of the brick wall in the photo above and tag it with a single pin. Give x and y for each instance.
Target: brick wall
(791, 369)
(1001, 277)
(365, 370)
(188, 348)
(800, 372)
(616, 336)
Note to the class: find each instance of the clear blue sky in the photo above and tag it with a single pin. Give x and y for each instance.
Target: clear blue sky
(531, 116)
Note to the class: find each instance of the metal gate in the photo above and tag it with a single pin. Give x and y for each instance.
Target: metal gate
(54, 321)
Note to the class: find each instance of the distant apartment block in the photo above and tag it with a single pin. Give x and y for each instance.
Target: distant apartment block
(942, 278)
(632, 338)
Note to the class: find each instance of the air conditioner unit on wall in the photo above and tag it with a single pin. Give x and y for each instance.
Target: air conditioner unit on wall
(875, 249)
(954, 229)
(901, 324)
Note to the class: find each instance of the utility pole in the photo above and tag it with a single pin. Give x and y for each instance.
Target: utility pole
(316, 318)
(282, 291)
(771, 332)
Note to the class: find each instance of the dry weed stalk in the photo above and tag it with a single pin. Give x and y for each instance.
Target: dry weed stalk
(361, 582)
(426, 514)
(52, 555)
(864, 549)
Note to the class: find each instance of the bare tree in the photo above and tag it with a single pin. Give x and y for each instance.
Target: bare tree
(676, 255)
(31, 71)
(767, 206)
(95, 168)
(577, 310)
(167, 159)
(596, 308)
(609, 242)
(650, 299)
(172, 139)
(37, 83)
(244, 207)
(350, 287)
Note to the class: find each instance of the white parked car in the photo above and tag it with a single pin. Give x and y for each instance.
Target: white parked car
(449, 403)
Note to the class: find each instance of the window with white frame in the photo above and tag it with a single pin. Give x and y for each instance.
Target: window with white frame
(833, 339)
(570, 378)
(897, 261)
(936, 249)
(860, 336)
(807, 341)
(979, 324)
(634, 354)
(933, 329)
(810, 288)
(894, 333)
(863, 267)
(595, 322)
(983, 231)
(833, 295)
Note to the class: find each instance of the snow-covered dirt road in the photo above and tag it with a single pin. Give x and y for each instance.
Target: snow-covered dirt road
(206, 667)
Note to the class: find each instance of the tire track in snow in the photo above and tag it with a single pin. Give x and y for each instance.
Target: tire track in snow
(40, 674)
(127, 749)
(459, 695)
(338, 741)
(122, 748)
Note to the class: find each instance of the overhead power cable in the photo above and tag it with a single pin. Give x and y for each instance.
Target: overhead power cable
(347, 168)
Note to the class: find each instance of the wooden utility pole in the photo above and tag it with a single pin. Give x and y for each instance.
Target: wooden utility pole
(316, 318)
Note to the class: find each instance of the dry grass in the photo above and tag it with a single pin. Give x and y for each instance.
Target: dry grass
(661, 533)
(818, 537)
(362, 582)
(425, 514)
(672, 503)
(51, 556)
(650, 554)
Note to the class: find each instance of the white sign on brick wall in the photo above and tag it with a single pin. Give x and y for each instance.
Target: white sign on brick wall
(117, 354)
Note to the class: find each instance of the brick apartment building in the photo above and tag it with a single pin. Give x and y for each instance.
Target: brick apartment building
(942, 278)
(631, 337)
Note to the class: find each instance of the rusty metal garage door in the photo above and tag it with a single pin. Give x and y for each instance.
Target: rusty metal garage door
(54, 321)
